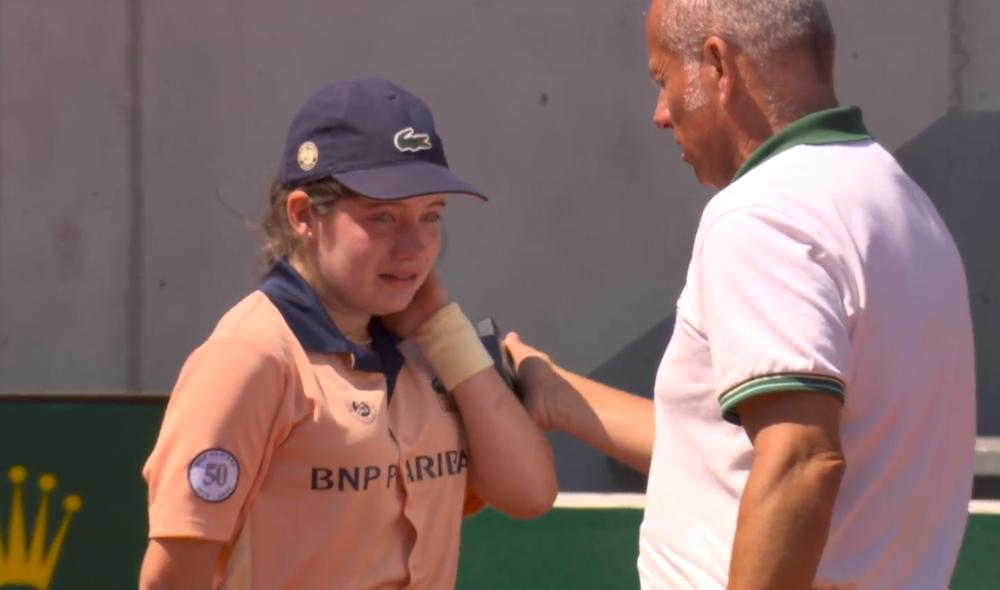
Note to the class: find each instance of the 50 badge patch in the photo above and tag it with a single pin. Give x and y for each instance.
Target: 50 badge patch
(214, 475)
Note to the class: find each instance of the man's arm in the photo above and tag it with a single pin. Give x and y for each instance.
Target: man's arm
(787, 504)
(616, 423)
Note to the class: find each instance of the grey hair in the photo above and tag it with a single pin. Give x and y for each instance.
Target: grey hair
(759, 27)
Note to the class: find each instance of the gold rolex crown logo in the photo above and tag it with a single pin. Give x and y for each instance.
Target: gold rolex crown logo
(31, 563)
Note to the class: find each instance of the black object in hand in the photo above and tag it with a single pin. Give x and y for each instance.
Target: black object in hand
(489, 335)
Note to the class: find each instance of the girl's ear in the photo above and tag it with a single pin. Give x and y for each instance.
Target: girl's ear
(301, 216)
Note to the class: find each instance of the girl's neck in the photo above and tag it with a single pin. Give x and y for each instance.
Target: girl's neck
(354, 327)
(352, 324)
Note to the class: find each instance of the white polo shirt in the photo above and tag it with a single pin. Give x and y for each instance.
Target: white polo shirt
(821, 268)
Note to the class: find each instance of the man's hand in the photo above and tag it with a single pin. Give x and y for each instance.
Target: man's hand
(537, 379)
(616, 423)
(429, 299)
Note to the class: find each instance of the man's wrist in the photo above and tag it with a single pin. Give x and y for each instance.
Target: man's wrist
(564, 399)
(554, 391)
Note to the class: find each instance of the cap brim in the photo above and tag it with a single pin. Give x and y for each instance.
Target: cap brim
(403, 181)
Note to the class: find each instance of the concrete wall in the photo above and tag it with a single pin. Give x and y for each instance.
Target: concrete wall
(137, 141)
(65, 195)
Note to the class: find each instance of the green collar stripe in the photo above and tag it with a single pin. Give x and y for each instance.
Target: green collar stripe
(837, 125)
(783, 382)
(777, 383)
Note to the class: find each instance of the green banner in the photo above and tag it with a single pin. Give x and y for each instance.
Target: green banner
(94, 449)
(597, 549)
(73, 513)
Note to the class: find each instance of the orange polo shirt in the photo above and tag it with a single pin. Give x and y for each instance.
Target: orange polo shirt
(316, 462)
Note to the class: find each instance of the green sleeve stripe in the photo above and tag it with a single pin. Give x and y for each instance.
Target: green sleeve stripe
(775, 384)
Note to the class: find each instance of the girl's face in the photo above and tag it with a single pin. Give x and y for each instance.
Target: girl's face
(372, 255)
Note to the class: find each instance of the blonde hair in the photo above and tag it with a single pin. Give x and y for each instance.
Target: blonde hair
(280, 240)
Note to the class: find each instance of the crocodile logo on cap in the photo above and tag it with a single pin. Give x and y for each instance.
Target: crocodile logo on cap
(408, 140)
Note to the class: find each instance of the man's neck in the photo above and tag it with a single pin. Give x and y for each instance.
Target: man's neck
(820, 100)
(775, 116)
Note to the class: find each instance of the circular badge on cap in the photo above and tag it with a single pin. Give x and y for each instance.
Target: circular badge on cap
(308, 156)
(214, 474)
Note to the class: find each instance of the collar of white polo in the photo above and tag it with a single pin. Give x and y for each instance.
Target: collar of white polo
(837, 125)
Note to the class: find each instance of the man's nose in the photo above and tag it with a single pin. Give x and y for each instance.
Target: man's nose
(661, 114)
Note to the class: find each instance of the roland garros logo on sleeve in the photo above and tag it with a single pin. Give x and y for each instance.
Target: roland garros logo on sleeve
(408, 140)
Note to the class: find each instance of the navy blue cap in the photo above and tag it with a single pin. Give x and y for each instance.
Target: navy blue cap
(373, 137)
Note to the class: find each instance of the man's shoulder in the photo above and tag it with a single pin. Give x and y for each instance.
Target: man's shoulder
(807, 171)
(746, 195)
(806, 181)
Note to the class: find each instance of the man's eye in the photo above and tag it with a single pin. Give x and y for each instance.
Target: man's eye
(385, 217)
(432, 217)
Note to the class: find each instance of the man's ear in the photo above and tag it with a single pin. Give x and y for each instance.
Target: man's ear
(301, 216)
(720, 57)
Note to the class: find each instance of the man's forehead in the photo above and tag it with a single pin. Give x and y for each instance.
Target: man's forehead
(654, 14)
(659, 59)
(654, 30)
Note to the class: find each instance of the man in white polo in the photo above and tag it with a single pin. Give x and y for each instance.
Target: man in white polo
(815, 408)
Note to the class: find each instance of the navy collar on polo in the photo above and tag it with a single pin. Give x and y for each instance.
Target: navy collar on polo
(316, 332)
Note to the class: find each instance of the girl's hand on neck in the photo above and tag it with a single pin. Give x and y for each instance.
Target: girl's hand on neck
(430, 298)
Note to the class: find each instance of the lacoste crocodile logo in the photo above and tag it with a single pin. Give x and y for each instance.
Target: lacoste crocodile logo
(408, 140)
